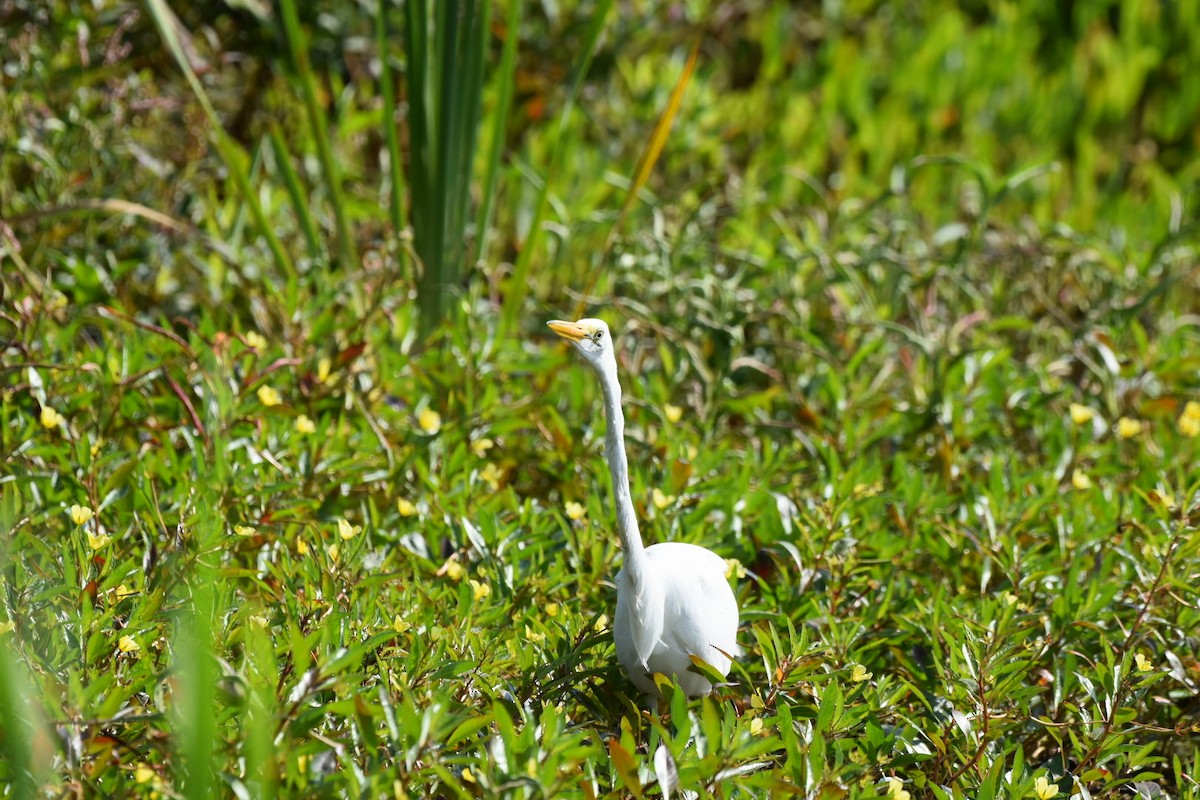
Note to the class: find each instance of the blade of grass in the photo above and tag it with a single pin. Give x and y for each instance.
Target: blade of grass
(518, 286)
(504, 92)
(390, 128)
(298, 50)
(296, 193)
(645, 166)
(229, 150)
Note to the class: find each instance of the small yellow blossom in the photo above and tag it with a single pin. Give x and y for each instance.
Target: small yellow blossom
(1080, 480)
(1081, 415)
(1189, 420)
(491, 474)
(1143, 664)
(896, 789)
(453, 570)
(95, 448)
(7, 627)
(268, 396)
(324, 367)
(429, 420)
(575, 510)
(301, 547)
(244, 530)
(1127, 428)
(348, 531)
(124, 591)
(304, 425)
(127, 644)
(480, 446)
(734, 569)
(467, 776)
(756, 726)
(859, 673)
(672, 413)
(256, 340)
(81, 514)
(399, 625)
(1043, 789)
(1010, 598)
(601, 623)
(660, 499)
(480, 588)
(551, 609)
(407, 508)
(334, 552)
(51, 418)
(98, 541)
(143, 774)
(533, 636)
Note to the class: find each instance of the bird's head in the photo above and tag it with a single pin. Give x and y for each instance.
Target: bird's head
(591, 338)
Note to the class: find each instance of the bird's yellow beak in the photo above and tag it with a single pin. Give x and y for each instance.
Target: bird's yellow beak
(571, 331)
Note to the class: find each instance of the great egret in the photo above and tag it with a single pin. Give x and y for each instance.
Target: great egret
(673, 600)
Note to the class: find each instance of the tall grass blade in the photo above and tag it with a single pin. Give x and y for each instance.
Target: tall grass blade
(296, 193)
(445, 79)
(520, 280)
(16, 740)
(387, 82)
(196, 710)
(298, 50)
(504, 93)
(230, 152)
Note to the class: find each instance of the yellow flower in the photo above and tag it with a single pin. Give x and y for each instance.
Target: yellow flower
(896, 789)
(453, 570)
(304, 425)
(268, 396)
(734, 569)
(574, 510)
(672, 413)
(1081, 415)
(756, 726)
(859, 674)
(1143, 664)
(143, 774)
(334, 552)
(348, 531)
(7, 627)
(660, 499)
(1080, 480)
(124, 591)
(1189, 420)
(480, 446)
(1043, 789)
(532, 635)
(301, 547)
(1010, 598)
(467, 776)
(406, 507)
(324, 367)
(601, 623)
(492, 475)
(551, 609)
(244, 530)
(399, 625)
(127, 644)
(81, 514)
(429, 420)
(256, 340)
(51, 418)
(480, 588)
(98, 541)
(1128, 428)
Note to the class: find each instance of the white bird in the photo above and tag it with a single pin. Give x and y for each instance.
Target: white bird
(673, 599)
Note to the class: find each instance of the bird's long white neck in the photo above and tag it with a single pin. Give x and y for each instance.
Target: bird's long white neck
(618, 465)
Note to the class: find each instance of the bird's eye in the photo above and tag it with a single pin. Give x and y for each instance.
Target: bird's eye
(597, 336)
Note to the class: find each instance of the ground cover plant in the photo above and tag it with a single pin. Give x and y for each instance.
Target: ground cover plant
(907, 312)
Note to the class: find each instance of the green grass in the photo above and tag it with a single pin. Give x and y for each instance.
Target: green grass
(861, 385)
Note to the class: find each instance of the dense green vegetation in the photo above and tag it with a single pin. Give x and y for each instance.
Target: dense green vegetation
(298, 497)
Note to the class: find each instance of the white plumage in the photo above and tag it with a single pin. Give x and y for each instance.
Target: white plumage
(673, 599)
